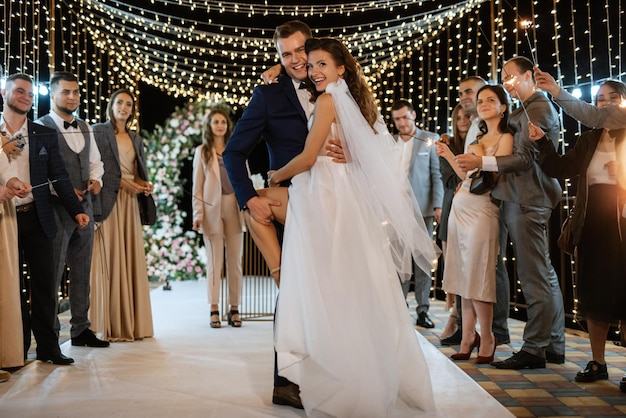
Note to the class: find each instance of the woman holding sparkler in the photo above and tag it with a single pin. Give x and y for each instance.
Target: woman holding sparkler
(528, 197)
(473, 231)
(598, 223)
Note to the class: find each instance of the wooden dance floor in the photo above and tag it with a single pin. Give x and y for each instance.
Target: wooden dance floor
(191, 370)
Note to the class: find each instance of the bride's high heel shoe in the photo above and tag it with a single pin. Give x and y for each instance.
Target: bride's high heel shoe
(466, 356)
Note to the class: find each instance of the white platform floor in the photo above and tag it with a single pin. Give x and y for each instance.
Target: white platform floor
(191, 370)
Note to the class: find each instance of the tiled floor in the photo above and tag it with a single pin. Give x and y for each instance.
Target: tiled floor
(191, 370)
(548, 392)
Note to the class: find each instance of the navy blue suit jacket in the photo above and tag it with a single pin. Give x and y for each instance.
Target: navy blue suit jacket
(275, 115)
(46, 163)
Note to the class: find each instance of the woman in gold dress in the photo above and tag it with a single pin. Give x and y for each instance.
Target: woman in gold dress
(120, 295)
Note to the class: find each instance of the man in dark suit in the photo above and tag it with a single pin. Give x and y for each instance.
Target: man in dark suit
(38, 163)
(278, 113)
(73, 245)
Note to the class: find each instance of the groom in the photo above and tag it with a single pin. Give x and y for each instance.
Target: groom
(278, 113)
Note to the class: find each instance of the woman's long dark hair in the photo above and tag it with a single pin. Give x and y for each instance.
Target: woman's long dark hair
(207, 133)
(456, 142)
(353, 76)
(131, 118)
(503, 126)
(618, 86)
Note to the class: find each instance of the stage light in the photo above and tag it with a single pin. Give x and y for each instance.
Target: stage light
(43, 90)
(577, 93)
(594, 90)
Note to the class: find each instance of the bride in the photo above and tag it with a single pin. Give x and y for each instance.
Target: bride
(343, 333)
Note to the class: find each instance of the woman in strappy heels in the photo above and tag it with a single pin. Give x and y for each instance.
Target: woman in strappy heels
(473, 231)
(217, 216)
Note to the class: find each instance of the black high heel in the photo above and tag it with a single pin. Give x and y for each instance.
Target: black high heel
(215, 323)
(236, 323)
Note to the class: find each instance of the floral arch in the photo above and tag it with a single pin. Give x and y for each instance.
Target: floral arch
(171, 252)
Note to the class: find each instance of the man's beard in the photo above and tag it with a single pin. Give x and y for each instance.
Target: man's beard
(17, 109)
(66, 110)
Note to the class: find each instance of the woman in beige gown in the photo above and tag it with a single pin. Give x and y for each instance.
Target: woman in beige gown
(11, 340)
(120, 295)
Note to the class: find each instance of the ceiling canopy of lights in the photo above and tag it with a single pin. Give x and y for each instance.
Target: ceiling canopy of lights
(191, 47)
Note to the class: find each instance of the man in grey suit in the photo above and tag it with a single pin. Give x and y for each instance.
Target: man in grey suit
(421, 163)
(528, 197)
(73, 245)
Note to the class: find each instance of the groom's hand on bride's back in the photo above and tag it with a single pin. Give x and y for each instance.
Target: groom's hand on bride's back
(335, 150)
(259, 208)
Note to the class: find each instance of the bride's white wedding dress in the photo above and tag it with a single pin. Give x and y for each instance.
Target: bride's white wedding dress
(343, 331)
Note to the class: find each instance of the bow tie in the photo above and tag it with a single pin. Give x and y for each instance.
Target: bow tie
(73, 124)
(303, 85)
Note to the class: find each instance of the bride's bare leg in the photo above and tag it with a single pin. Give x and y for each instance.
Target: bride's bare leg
(264, 236)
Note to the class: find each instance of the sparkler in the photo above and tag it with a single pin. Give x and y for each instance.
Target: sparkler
(429, 141)
(45, 184)
(511, 82)
(525, 24)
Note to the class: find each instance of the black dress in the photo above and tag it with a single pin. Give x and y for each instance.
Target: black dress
(601, 260)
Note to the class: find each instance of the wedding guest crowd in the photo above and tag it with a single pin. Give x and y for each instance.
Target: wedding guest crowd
(51, 224)
(70, 201)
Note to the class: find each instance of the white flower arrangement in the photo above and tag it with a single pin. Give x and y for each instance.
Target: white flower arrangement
(171, 252)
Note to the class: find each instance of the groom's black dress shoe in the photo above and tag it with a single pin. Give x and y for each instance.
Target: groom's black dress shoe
(89, 339)
(55, 358)
(287, 395)
(424, 321)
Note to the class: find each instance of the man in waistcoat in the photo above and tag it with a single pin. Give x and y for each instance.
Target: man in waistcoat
(73, 245)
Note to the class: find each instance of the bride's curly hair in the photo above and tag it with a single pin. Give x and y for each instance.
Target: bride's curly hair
(353, 76)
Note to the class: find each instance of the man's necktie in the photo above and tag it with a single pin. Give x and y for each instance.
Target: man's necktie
(73, 124)
(302, 86)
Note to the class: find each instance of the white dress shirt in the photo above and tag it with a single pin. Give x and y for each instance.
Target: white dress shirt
(76, 141)
(406, 149)
(304, 96)
(18, 166)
